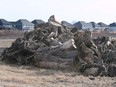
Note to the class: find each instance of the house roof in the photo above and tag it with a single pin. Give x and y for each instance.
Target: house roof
(89, 24)
(83, 23)
(12, 22)
(113, 24)
(80, 22)
(38, 21)
(67, 24)
(24, 22)
(102, 24)
(3, 21)
(94, 24)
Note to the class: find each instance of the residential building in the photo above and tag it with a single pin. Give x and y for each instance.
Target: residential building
(13, 24)
(83, 25)
(95, 25)
(5, 24)
(37, 21)
(67, 24)
(112, 27)
(24, 25)
(90, 26)
(103, 25)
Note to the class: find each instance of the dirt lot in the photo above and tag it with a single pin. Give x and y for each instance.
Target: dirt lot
(28, 76)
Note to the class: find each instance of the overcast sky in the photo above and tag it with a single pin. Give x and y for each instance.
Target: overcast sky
(69, 10)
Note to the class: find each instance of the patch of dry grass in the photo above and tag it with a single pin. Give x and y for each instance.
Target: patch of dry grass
(27, 76)
(11, 34)
(4, 43)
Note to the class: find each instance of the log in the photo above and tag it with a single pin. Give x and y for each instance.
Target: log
(53, 65)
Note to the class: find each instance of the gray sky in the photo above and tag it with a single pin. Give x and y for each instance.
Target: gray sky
(69, 10)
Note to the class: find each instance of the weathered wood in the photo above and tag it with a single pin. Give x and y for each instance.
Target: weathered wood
(55, 65)
(52, 45)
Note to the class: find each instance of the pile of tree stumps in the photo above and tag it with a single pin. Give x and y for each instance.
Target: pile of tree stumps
(53, 45)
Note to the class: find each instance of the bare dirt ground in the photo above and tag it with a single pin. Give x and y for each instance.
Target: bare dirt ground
(29, 76)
